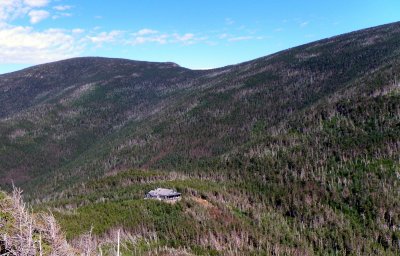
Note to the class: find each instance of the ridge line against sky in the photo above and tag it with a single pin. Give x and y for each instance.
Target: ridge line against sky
(194, 34)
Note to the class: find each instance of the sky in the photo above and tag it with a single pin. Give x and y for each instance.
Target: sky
(197, 34)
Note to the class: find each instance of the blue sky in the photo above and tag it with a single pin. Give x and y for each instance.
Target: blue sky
(197, 34)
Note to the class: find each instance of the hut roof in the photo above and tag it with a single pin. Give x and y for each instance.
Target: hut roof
(163, 192)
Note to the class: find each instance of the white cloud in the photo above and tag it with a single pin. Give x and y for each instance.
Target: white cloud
(105, 37)
(23, 44)
(12, 9)
(62, 14)
(36, 3)
(62, 7)
(38, 15)
(78, 31)
(240, 38)
(153, 36)
(146, 31)
(184, 38)
(161, 39)
(20, 44)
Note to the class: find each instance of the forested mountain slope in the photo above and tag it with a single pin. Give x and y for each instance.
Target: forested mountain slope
(60, 114)
(308, 138)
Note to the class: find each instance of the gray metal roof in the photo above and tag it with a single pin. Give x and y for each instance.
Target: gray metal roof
(163, 192)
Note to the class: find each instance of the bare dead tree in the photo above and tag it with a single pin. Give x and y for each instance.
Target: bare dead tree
(30, 231)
